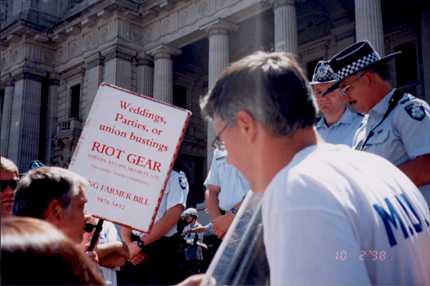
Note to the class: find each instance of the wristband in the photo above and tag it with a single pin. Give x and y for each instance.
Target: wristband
(234, 210)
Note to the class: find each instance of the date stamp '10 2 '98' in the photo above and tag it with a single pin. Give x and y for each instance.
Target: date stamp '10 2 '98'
(365, 254)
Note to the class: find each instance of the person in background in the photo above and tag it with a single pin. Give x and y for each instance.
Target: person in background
(331, 215)
(194, 246)
(225, 190)
(8, 183)
(338, 123)
(396, 125)
(34, 252)
(56, 195)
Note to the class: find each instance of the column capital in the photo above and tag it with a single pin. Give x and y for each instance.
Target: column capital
(120, 52)
(143, 59)
(219, 26)
(94, 60)
(8, 81)
(164, 51)
(280, 3)
(23, 75)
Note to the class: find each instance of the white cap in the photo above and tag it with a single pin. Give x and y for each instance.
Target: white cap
(190, 211)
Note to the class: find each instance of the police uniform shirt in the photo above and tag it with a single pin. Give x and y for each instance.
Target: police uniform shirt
(403, 135)
(189, 237)
(329, 220)
(176, 193)
(342, 131)
(233, 186)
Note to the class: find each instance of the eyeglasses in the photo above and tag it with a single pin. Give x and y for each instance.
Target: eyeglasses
(89, 227)
(346, 89)
(8, 183)
(217, 142)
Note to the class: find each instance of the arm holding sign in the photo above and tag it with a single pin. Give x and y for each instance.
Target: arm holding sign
(171, 208)
(161, 227)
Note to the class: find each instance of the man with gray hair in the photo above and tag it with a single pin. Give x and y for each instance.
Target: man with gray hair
(56, 195)
(328, 219)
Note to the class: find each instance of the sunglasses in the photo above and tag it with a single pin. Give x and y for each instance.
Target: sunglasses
(8, 183)
(89, 227)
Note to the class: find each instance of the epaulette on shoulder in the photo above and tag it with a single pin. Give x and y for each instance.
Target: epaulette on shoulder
(403, 101)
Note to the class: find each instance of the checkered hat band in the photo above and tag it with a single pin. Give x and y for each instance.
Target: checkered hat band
(357, 65)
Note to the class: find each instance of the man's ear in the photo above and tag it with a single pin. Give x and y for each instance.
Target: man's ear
(247, 125)
(54, 211)
(369, 77)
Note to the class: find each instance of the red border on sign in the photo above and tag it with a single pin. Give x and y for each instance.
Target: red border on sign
(175, 154)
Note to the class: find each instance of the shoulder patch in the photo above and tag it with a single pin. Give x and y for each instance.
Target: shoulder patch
(416, 111)
(183, 182)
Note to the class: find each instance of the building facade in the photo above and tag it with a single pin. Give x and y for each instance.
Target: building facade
(54, 54)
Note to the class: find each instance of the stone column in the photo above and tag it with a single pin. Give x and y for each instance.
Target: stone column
(25, 120)
(117, 68)
(145, 75)
(285, 26)
(51, 124)
(219, 59)
(6, 114)
(163, 72)
(425, 48)
(93, 78)
(368, 23)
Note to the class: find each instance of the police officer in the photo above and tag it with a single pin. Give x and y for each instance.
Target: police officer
(397, 124)
(226, 188)
(338, 123)
(154, 257)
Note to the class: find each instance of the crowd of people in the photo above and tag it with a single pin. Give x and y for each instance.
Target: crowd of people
(346, 189)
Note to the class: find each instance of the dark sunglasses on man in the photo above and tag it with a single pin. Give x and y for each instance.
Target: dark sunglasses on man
(8, 183)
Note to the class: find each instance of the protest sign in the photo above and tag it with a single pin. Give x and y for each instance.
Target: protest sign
(126, 151)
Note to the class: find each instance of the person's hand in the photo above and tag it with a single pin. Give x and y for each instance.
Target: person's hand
(93, 256)
(133, 249)
(138, 258)
(221, 224)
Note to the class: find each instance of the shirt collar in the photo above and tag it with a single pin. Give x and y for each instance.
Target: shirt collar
(346, 118)
(382, 106)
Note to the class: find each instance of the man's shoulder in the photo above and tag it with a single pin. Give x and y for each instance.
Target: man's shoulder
(413, 108)
(178, 179)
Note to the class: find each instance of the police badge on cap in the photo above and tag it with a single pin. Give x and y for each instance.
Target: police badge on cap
(323, 73)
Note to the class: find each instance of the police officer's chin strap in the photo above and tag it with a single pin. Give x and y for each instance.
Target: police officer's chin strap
(391, 105)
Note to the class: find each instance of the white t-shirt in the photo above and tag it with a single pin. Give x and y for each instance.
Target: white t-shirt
(334, 216)
(109, 233)
(233, 186)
